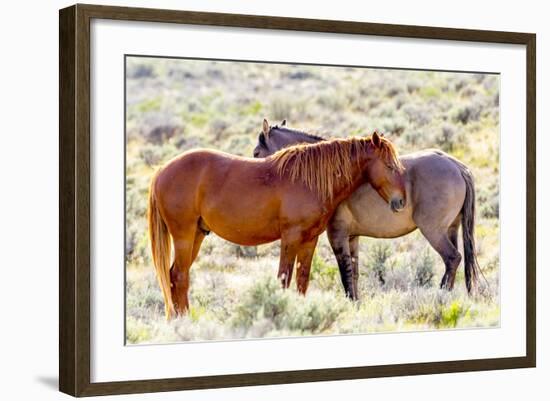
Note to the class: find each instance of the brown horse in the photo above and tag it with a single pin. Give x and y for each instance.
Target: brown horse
(290, 195)
(441, 195)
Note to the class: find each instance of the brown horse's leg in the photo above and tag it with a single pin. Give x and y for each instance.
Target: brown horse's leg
(354, 252)
(199, 237)
(442, 243)
(179, 273)
(286, 262)
(303, 259)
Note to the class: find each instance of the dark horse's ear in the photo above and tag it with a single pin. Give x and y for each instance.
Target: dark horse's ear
(376, 141)
(265, 127)
(283, 123)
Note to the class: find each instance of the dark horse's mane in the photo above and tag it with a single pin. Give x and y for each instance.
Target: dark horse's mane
(321, 165)
(302, 133)
(305, 135)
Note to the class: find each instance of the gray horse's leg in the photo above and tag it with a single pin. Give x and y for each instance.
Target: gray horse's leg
(452, 233)
(443, 243)
(354, 252)
(339, 241)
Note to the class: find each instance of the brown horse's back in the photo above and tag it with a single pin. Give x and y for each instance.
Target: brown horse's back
(208, 184)
(173, 181)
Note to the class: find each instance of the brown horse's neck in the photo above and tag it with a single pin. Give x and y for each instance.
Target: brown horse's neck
(332, 169)
(344, 189)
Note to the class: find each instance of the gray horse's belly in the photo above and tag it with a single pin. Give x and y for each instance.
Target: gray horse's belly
(371, 216)
(435, 195)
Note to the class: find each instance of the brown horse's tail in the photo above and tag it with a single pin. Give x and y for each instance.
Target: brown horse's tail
(161, 249)
(472, 270)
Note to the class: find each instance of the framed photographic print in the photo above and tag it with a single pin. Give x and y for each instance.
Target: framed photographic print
(250, 200)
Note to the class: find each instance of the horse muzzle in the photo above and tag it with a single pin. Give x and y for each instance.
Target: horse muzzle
(397, 204)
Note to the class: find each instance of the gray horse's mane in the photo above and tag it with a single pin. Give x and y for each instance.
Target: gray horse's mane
(298, 132)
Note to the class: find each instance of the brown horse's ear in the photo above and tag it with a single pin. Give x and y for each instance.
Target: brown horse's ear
(376, 141)
(283, 123)
(265, 127)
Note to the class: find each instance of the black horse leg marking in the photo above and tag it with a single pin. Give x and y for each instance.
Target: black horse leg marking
(354, 252)
(343, 257)
(339, 241)
(346, 271)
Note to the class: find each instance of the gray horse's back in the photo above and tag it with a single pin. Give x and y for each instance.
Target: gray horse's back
(438, 188)
(435, 195)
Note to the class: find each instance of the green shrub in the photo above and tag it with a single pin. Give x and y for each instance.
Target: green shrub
(314, 313)
(394, 126)
(266, 304)
(424, 269)
(324, 274)
(148, 105)
(451, 314)
(413, 86)
(447, 137)
(137, 331)
(332, 100)
(265, 299)
(489, 200)
(279, 109)
(430, 92)
(378, 257)
(417, 114)
(152, 156)
(137, 239)
(469, 112)
(394, 90)
(412, 137)
(246, 251)
(139, 70)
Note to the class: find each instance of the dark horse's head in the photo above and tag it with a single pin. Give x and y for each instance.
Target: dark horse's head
(385, 175)
(277, 137)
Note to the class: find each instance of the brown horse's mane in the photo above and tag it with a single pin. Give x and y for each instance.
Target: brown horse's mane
(321, 165)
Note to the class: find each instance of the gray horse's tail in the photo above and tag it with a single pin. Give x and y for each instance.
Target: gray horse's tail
(472, 270)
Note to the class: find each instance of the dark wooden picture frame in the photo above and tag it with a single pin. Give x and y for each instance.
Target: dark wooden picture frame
(74, 199)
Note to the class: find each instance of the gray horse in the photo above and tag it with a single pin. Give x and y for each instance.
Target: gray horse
(440, 196)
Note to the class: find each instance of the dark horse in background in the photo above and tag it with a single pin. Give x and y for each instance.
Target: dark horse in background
(290, 196)
(441, 196)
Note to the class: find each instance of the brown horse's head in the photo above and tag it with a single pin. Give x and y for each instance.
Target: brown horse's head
(274, 138)
(385, 172)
